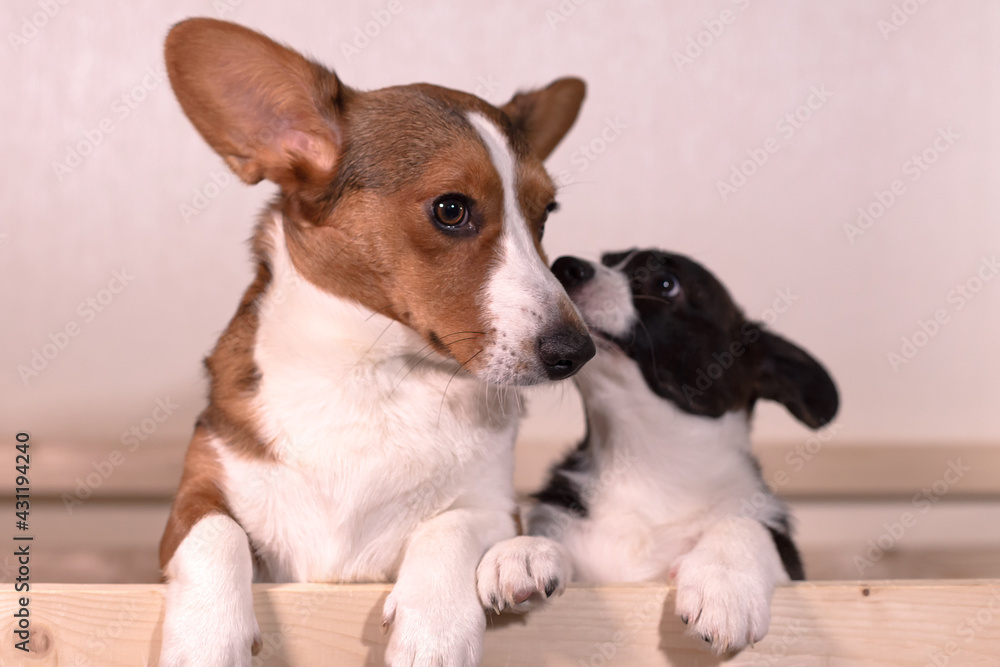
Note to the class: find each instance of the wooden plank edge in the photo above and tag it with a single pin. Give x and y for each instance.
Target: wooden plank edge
(810, 468)
(916, 622)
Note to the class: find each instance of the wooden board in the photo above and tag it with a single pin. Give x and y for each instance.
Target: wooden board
(807, 469)
(842, 623)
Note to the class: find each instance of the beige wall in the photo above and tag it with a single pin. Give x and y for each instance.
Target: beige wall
(667, 132)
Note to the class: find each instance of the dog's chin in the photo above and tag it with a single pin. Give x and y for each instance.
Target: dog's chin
(506, 371)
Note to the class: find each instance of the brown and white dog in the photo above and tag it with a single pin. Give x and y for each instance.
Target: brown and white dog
(360, 423)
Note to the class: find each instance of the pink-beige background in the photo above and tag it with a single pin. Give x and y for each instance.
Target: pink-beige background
(680, 94)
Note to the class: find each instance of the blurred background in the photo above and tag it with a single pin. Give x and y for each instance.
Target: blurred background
(835, 164)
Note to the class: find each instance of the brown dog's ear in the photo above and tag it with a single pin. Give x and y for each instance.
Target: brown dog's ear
(545, 115)
(268, 111)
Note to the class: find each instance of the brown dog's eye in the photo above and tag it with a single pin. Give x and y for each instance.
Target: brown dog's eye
(553, 206)
(451, 212)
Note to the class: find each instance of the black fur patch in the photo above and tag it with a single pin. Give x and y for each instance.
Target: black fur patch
(562, 491)
(789, 554)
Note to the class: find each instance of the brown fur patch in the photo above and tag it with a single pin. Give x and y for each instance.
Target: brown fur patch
(198, 496)
(233, 373)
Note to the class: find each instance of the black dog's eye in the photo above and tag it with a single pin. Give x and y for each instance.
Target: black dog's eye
(451, 211)
(670, 287)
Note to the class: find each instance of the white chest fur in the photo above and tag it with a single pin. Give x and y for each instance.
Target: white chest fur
(371, 437)
(657, 477)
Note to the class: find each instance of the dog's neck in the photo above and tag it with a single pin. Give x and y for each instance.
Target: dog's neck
(305, 325)
(641, 435)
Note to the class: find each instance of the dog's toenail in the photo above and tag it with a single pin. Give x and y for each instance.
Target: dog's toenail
(551, 587)
(684, 619)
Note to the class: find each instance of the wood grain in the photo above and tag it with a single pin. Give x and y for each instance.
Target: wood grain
(807, 469)
(843, 623)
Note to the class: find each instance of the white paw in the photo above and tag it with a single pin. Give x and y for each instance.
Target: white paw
(729, 607)
(521, 573)
(208, 611)
(231, 647)
(433, 630)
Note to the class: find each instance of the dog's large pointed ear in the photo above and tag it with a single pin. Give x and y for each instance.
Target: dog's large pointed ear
(269, 112)
(792, 377)
(545, 115)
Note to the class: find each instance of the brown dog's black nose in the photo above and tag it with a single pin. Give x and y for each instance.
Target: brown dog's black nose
(565, 351)
(571, 271)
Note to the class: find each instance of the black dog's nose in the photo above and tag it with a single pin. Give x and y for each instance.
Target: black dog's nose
(571, 271)
(565, 351)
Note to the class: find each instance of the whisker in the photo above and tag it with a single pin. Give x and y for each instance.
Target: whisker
(651, 298)
(425, 357)
(347, 245)
(388, 305)
(455, 342)
(652, 349)
(445, 392)
(412, 368)
(377, 338)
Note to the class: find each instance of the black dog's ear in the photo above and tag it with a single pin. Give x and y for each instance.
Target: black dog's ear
(790, 376)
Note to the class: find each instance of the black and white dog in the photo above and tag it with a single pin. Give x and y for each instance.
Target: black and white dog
(665, 486)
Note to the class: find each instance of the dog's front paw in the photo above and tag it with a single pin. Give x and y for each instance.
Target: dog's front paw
(433, 630)
(729, 607)
(521, 573)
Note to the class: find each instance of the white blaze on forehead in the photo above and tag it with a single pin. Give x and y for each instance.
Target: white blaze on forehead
(521, 295)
